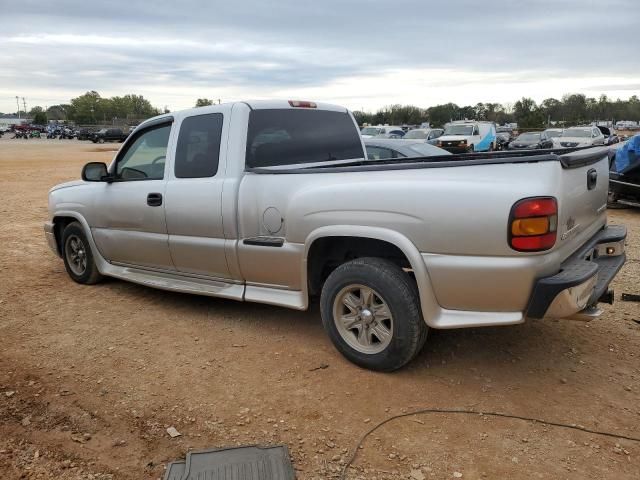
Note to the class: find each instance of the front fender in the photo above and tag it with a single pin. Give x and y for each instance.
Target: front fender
(101, 263)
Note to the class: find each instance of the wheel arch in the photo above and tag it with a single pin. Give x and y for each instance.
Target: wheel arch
(399, 243)
(62, 219)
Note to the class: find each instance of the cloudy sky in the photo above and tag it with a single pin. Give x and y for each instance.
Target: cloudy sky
(362, 54)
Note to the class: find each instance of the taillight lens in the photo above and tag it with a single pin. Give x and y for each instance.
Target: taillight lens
(302, 104)
(533, 223)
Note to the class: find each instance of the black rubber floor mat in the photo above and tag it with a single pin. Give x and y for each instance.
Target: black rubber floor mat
(175, 470)
(243, 463)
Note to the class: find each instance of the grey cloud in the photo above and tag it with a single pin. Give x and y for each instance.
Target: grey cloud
(297, 43)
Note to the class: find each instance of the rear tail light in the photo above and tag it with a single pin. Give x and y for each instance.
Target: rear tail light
(533, 224)
(302, 104)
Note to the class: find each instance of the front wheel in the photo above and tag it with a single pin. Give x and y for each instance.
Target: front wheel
(77, 255)
(371, 311)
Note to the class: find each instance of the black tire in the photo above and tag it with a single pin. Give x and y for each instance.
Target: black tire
(89, 274)
(398, 291)
(101, 140)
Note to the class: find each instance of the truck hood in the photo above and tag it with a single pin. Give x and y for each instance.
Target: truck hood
(453, 138)
(73, 183)
(581, 141)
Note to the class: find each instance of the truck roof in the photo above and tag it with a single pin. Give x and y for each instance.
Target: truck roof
(252, 104)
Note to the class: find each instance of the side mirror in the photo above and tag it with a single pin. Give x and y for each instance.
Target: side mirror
(95, 172)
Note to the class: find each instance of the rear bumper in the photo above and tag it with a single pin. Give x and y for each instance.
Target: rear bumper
(583, 278)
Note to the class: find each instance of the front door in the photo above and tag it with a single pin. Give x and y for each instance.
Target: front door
(194, 196)
(128, 223)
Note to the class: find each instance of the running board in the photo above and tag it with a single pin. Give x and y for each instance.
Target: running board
(177, 283)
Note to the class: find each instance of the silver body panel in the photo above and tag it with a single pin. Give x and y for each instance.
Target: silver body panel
(449, 222)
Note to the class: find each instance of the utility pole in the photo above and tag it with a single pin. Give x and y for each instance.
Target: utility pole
(24, 104)
(18, 103)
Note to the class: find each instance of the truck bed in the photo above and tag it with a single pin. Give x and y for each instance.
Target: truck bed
(569, 158)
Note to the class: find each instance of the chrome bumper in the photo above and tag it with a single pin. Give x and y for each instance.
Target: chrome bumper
(51, 237)
(583, 279)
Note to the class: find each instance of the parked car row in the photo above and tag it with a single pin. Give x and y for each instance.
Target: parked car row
(62, 132)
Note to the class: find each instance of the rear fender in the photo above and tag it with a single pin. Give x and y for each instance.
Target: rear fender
(429, 305)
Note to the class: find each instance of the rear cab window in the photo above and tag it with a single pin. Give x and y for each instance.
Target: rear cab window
(198, 149)
(280, 137)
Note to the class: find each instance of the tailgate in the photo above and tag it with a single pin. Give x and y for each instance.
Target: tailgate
(582, 196)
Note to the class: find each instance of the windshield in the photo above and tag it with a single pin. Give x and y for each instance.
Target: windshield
(104, 130)
(554, 133)
(426, 150)
(459, 130)
(370, 131)
(576, 132)
(529, 137)
(416, 134)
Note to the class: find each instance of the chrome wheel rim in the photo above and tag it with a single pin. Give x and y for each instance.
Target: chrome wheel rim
(76, 254)
(363, 319)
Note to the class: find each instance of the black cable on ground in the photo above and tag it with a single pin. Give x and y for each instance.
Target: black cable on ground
(343, 476)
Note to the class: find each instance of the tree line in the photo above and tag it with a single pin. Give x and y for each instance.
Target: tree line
(571, 109)
(91, 108)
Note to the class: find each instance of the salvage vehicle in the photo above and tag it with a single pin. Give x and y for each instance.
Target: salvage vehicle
(624, 177)
(381, 148)
(610, 135)
(531, 140)
(276, 202)
(581, 137)
(429, 135)
(382, 130)
(503, 139)
(109, 135)
(468, 136)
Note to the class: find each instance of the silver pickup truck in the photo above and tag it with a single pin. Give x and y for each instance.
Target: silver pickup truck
(276, 202)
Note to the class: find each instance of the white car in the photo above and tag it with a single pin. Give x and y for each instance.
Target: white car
(390, 131)
(581, 137)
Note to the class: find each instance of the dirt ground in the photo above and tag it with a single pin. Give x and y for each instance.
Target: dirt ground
(92, 376)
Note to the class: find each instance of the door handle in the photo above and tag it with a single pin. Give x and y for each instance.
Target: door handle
(154, 199)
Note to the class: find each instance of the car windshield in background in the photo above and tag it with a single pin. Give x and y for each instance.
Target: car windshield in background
(370, 131)
(529, 137)
(289, 136)
(576, 132)
(459, 130)
(416, 135)
(426, 150)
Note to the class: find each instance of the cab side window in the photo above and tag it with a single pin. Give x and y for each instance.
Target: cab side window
(476, 131)
(144, 158)
(198, 149)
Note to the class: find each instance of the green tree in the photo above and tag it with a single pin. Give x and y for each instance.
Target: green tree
(58, 112)
(38, 116)
(527, 114)
(440, 114)
(203, 102)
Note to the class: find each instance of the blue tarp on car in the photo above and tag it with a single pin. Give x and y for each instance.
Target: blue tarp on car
(628, 156)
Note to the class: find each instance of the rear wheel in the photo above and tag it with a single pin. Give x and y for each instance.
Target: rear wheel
(77, 255)
(371, 312)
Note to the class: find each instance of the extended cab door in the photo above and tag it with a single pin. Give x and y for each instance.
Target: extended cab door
(127, 219)
(194, 195)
